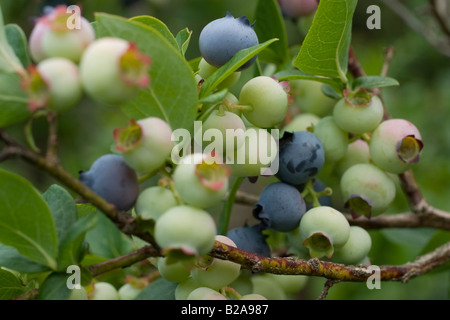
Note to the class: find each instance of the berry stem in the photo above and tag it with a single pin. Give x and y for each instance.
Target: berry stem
(232, 106)
(224, 221)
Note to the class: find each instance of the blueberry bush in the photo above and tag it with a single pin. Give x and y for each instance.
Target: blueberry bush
(269, 154)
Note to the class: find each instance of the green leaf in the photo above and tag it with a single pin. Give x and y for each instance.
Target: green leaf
(55, 287)
(13, 100)
(183, 39)
(215, 97)
(11, 258)
(10, 285)
(18, 42)
(292, 74)
(9, 62)
(62, 207)
(160, 26)
(324, 51)
(105, 240)
(269, 24)
(160, 289)
(71, 245)
(26, 222)
(370, 82)
(231, 66)
(173, 94)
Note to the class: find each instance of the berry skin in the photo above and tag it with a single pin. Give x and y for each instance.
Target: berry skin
(204, 293)
(253, 296)
(367, 190)
(129, 292)
(145, 144)
(78, 294)
(226, 121)
(216, 273)
(310, 98)
(267, 98)
(267, 287)
(280, 207)
(250, 239)
(203, 184)
(356, 248)
(395, 145)
(177, 271)
(104, 291)
(184, 288)
(112, 179)
(357, 152)
(333, 138)
(291, 284)
(187, 229)
(301, 157)
(301, 122)
(55, 84)
(298, 8)
(358, 112)
(221, 39)
(113, 70)
(51, 37)
(154, 201)
(322, 229)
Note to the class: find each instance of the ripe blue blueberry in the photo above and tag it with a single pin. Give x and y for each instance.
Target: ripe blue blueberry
(250, 239)
(302, 156)
(222, 38)
(112, 179)
(280, 207)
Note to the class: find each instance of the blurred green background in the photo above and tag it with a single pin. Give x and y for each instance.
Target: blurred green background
(423, 98)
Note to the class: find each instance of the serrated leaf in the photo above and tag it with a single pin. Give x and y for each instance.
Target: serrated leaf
(10, 285)
(324, 51)
(231, 66)
(160, 289)
(168, 97)
(269, 24)
(26, 222)
(370, 82)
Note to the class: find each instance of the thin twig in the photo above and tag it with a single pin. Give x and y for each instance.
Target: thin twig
(328, 284)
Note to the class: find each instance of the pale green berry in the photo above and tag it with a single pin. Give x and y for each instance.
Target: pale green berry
(356, 248)
(322, 229)
(154, 201)
(104, 291)
(333, 138)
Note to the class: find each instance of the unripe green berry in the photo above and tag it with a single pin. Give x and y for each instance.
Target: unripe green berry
(113, 70)
(145, 144)
(322, 229)
(367, 190)
(268, 100)
(358, 112)
(201, 181)
(396, 145)
(333, 138)
(356, 248)
(104, 291)
(55, 36)
(204, 293)
(54, 84)
(154, 201)
(301, 122)
(185, 229)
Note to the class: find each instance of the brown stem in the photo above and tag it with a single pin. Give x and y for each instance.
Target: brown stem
(330, 270)
(124, 261)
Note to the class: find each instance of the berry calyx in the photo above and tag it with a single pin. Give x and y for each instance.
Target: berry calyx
(145, 144)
